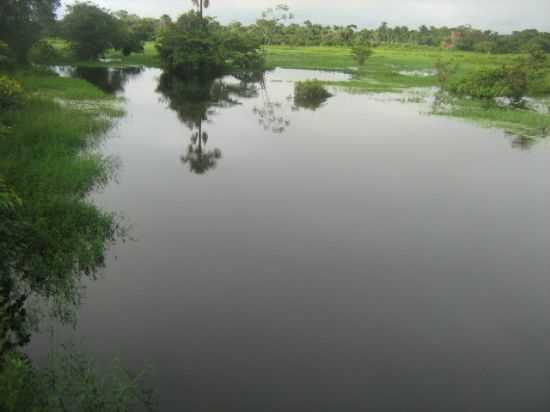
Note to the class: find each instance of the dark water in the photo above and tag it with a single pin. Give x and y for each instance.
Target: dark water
(360, 257)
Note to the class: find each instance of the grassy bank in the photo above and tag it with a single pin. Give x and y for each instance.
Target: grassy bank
(395, 70)
(387, 70)
(149, 57)
(51, 235)
(51, 239)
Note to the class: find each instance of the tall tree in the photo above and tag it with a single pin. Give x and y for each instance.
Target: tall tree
(201, 4)
(22, 22)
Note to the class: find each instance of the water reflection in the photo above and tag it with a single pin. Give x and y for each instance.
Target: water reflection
(523, 142)
(196, 102)
(200, 160)
(43, 267)
(108, 79)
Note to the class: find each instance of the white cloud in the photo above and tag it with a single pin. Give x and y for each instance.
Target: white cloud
(502, 15)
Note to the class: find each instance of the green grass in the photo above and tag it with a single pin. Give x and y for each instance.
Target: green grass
(49, 84)
(47, 159)
(382, 71)
(148, 58)
(521, 122)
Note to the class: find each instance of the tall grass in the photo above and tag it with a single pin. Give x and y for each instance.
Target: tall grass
(46, 158)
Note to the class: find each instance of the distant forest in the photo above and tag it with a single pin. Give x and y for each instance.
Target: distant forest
(278, 32)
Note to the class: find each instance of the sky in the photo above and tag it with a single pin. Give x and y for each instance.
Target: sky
(500, 15)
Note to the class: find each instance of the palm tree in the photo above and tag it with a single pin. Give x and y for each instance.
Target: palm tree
(201, 4)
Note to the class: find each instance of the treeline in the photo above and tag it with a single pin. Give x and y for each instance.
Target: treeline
(463, 38)
(90, 30)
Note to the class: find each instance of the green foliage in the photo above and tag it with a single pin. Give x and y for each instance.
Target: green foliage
(488, 83)
(126, 40)
(69, 382)
(241, 51)
(539, 82)
(89, 29)
(200, 46)
(310, 94)
(43, 53)
(92, 30)
(11, 93)
(7, 59)
(445, 69)
(191, 46)
(48, 84)
(50, 235)
(22, 22)
(361, 52)
(517, 121)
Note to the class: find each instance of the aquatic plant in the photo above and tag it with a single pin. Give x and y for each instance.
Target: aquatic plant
(310, 94)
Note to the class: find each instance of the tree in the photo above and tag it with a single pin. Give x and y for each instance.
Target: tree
(271, 19)
(201, 5)
(92, 30)
(361, 52)
(22, 22)
(196, 46)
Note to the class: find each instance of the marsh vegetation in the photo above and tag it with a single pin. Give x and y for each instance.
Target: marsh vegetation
(259, 161)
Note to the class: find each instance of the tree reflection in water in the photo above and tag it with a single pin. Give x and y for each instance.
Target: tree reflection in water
(110, 80)
(196, 101)
(271, 113)
(201, 161)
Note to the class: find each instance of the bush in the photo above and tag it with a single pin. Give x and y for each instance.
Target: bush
(444, 71)
(92, 30)
(310, 94)
(70, 381)
(11, 93)
(506, 81)
(539, 82)
(242, 51)
(361, 52)
(43, 53)
(6, 56)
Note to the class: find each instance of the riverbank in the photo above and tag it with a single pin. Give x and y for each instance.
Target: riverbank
(397, 70)
(51, 237)
(394, 70)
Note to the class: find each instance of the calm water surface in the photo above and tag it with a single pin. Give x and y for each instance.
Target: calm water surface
(363, 256)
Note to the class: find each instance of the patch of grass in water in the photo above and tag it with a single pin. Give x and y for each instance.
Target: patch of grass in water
(381, 72)
(521, 122)
(48, 84)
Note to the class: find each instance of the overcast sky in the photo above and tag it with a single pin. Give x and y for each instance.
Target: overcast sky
(500, 15)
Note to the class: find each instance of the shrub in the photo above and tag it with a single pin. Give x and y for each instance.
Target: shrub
(6, 56)
(8, 198)
(242, 51)
(488, 83)
(444, 71)
(310, 94)
(4, 131)
(539, 82)
(43, 53)
(11, 93)
(361, 52)
(69, 381)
